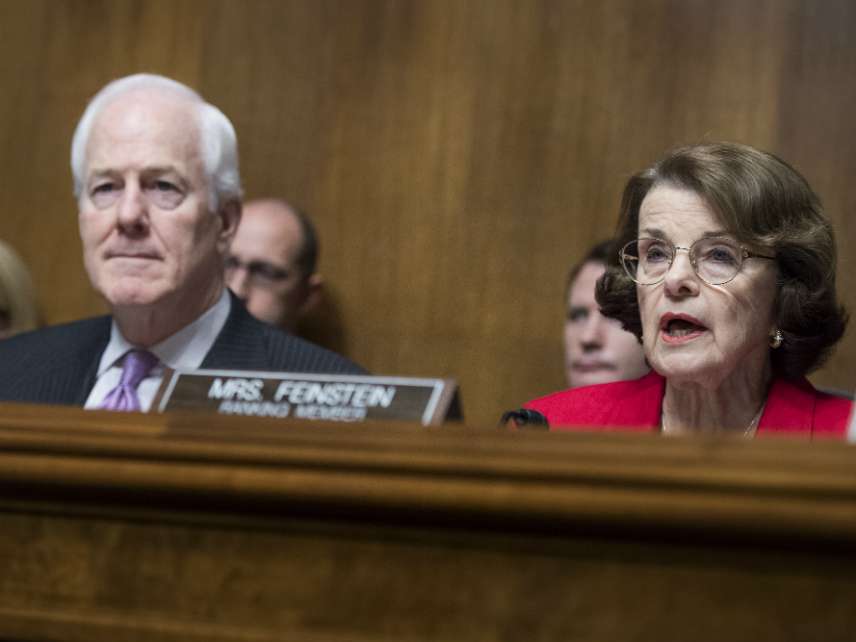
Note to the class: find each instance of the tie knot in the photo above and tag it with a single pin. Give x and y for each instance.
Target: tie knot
(136, 366)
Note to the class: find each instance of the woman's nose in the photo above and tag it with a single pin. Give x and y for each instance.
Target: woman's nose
(681, 278)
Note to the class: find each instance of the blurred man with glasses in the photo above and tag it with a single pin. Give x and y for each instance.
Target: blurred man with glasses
(272, 263)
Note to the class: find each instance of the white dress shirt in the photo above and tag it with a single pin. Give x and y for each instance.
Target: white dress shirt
(185, 349)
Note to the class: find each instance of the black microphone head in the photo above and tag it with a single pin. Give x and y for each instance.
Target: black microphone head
(524, 418)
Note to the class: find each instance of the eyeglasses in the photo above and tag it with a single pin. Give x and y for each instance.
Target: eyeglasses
(716, 260)
(260, 272)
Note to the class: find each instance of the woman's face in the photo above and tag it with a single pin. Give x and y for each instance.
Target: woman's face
(694, 332)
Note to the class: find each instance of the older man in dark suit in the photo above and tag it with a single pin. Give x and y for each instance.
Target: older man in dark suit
(156, 177)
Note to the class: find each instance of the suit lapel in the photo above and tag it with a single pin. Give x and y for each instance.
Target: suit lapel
(240, 344)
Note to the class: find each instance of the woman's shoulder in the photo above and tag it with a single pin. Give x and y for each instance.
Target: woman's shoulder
(796, 406)
(621, 404)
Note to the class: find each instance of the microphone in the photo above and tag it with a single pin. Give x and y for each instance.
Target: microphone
(524, 418)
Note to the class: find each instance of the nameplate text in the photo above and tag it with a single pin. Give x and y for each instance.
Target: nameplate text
(307, 396)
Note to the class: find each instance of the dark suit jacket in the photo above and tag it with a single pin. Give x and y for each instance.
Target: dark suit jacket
(793, 407)
(58, 364)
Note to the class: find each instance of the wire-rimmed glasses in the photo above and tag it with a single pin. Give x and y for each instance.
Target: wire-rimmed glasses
(716, 260)
(261, 273)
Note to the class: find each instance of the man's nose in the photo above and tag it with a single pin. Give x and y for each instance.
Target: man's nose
(132, 212)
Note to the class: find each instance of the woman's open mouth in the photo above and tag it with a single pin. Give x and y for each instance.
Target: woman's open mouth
(680, 328)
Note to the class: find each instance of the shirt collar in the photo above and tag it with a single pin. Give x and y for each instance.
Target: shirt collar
(185, 350)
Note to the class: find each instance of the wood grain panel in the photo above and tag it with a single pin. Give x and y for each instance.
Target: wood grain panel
(817, 102)
(457, 156)
(175, 527)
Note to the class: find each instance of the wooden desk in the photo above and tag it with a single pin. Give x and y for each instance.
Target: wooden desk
(181, 527)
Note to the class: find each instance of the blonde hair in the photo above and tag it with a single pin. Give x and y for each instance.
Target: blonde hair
(17, 295)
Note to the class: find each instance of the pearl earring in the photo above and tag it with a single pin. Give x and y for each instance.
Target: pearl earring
(776, 339)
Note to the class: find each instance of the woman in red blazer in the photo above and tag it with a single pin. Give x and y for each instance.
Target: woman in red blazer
(725, 270)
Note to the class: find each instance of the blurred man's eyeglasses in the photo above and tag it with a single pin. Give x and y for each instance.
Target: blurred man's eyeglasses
(261, 273)
(716, 260)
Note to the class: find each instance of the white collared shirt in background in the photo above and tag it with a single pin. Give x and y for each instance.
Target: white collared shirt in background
(185, 349)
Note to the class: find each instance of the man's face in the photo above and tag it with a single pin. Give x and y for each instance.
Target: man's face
(148, 236)
(262, 267)
(597, 350)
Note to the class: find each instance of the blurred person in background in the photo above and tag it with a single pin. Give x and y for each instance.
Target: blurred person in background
(272, 263)
(597, 349)
(18, 309)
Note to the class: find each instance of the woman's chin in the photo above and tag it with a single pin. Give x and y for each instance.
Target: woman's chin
(686, 372)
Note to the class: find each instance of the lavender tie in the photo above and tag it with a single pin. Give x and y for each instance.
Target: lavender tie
(135, 367)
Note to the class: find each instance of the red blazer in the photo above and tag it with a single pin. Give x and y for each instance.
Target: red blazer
(793, 407)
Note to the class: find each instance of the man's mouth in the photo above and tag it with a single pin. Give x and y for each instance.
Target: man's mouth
(132, 254)
(679, 328)
(592, 366)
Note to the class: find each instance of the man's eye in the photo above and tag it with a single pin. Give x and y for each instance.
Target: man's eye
(267, 272)
(164, 194)
(104, 194)
(577, 314)
(104, 188)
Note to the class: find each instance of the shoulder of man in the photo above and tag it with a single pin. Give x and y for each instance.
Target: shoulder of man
(66, 338)
(245, 343)
(633, 404)
(46, 365)
(290, 352)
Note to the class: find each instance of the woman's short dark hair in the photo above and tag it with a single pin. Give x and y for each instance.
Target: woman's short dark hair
(765, 203)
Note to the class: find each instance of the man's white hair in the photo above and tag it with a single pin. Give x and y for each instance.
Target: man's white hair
(217, 139)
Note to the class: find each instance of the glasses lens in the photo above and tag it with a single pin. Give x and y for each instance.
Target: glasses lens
(717, 260)
(629, 256)
(647, 260)
(267, 274)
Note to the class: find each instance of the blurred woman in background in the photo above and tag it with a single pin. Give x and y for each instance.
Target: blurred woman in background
(18, 311)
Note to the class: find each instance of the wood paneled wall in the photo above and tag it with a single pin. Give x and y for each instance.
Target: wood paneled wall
(456, 155)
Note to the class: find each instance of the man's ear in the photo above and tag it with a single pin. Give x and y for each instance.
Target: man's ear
(314, 293)
(230, 217)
